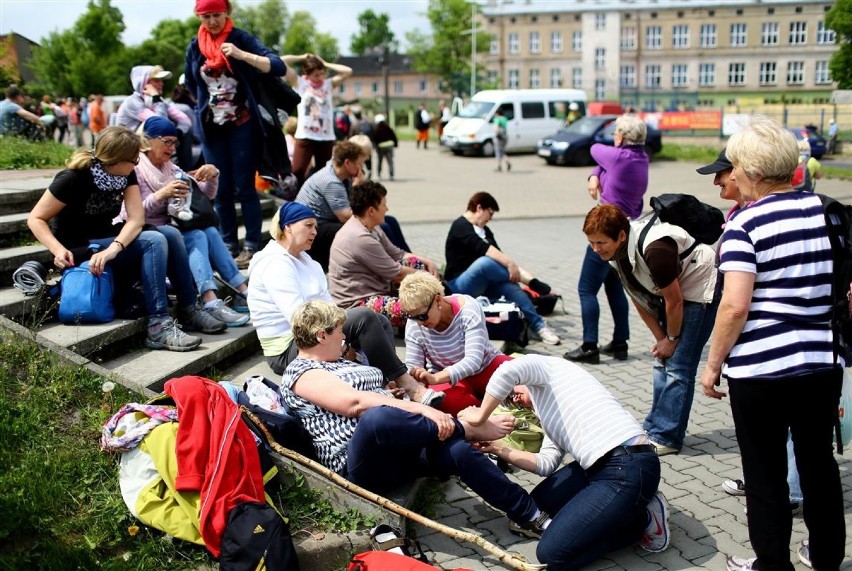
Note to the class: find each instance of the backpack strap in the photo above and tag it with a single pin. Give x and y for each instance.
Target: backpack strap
(644, 234)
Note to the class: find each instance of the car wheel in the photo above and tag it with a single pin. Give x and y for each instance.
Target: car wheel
(583, 157)
(488, 148)
(457, 152)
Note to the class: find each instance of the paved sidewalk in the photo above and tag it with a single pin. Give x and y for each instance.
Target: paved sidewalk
(707, 525)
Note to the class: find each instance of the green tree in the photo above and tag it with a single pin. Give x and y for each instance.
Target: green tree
(302, 37)
(8, 73)
(374, 33)
(839, 19)
(266, 21)
(447, 52)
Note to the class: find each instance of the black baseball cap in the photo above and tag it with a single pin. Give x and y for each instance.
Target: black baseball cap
(722, 164)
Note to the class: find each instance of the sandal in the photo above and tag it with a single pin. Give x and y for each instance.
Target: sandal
(384, 537)
(432, 398)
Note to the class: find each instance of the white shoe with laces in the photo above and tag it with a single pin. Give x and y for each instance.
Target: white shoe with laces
(656, 537)
(735, 563)
(547, 335)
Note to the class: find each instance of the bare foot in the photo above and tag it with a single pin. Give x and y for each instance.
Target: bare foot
(412, 388)
(495, 428)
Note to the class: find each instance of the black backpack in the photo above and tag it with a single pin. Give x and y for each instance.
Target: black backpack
(257, 538)
(838, 219)
(701, 221)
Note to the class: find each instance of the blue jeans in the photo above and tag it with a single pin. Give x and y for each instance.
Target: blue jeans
(674, 379)
(595, 511)
(488, 277)
(177, 269)
(597, 272)
(149, 255)
(208, 252)
(234, 151)
(391, 445)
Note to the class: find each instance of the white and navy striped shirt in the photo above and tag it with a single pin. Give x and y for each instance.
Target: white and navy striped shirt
(781, 239)
(578, 414)
(462, 349)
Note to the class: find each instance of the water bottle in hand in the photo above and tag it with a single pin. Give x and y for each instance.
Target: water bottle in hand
(179, 206)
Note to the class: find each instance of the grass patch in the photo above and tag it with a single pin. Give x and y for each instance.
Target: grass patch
(695, 153)
(59, 493)
(834, 172)
(19, 154)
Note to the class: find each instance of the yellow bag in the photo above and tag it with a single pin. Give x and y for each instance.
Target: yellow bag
(527, 434)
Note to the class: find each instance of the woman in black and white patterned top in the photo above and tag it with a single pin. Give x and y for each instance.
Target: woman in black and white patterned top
(375, 440)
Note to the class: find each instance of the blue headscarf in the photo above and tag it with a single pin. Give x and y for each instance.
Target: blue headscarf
(291, 212)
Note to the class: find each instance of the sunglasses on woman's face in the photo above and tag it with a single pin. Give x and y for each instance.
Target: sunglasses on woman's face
(425, 315)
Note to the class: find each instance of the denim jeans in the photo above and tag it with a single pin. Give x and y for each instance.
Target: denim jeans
(234, 151)
(597, 272)
(391, 445)
(149, 253)
(208, 252)
(764, 412)
(177, 268)
(674, 378)
(488, 277)
(595, 511)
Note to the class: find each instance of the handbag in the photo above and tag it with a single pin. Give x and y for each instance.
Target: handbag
(86, 298)
(527, 434)
(505, 321)
(203, 213)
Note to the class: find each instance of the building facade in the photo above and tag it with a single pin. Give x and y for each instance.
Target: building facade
(665, 54)
(406, 86)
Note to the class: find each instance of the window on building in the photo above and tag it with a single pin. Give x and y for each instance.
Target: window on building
(556, 42)
(654, 37)
(708, 35)
(493, 77)
(555, 77)
(341, 89)
(707, 74)
(514, 43)
(577, 78)
(535, 78)
(795, 72)
(494, 46)
(577, 41)
(535, 43)
(739, 35)
(600, 21)
(397, 87)
(680, 75)
(822, 73)
(680, 36)
(769, 34)
(798, 33)
(514, 79)
(736, 74)
(628, 38)
(824, 35)
(600, 58)
(652, 76)
(767, 73)
(358, 88)
(374, 88)
(600, 89)
(423, 86)
(627, 76)
(532, 110)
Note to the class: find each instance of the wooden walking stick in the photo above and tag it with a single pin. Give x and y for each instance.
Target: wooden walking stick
(513, 560)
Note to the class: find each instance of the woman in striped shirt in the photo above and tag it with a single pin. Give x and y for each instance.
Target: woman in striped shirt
(446, 342)
(773, 342)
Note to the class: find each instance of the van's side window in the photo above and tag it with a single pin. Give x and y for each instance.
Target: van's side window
(532, 110)
(508, 110)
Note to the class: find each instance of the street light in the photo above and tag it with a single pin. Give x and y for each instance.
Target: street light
(472, 31)
(384, 60)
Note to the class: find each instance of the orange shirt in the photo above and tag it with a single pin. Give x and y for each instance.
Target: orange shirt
(97, 121)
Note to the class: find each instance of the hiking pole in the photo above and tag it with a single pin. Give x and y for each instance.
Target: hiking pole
(513, 560)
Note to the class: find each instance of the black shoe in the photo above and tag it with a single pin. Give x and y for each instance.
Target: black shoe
(616, 350)
(530, 529)
(580, 355)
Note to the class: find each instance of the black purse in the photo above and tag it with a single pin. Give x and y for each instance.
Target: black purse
(203, 213)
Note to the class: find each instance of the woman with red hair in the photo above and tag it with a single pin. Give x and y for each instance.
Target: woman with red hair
(223, 64)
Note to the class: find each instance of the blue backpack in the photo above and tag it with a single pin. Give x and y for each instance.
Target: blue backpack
(86, 298)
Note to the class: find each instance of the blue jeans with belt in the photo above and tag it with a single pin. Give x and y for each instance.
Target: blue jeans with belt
(391, 445)
(674, 378)
(595, 511)
(488, 277)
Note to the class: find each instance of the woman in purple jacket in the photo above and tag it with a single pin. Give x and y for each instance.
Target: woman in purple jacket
(620, 179)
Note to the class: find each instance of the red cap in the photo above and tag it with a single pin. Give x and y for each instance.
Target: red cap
(208, 6)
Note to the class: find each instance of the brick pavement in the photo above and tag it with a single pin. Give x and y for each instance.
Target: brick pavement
(707, 525)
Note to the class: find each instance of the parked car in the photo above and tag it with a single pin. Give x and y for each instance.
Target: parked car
(572, 144)
(817, 141)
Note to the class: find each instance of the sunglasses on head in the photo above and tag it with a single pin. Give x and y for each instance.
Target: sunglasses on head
(425, 315)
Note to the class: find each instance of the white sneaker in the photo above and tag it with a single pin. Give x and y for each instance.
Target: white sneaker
(656, 536)
(735, 563)
(547, 335)
(804, 553)
(734, 487)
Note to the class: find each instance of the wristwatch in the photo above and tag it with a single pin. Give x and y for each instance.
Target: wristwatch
(673, 337)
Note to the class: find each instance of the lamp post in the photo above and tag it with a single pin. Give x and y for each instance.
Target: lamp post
(384, 61)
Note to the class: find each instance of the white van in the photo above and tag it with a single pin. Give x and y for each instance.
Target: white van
(532, 114)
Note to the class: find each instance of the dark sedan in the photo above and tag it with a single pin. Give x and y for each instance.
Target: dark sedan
(816, 140)
(572, 145)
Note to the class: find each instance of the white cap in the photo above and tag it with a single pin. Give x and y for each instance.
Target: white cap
(380, 118)
(157, 72)
(831, 121)
(573, 106)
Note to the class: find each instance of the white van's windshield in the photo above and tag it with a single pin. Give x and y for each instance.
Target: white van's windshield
(476, 110)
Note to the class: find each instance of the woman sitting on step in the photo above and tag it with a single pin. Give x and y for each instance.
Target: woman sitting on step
(283, 276)
(364, 434)
(446, 342)
(159, 185)
(82, 201)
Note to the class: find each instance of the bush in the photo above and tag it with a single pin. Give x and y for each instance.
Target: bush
(19, 154)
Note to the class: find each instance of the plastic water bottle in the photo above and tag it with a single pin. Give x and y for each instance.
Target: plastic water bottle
(179, 206)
